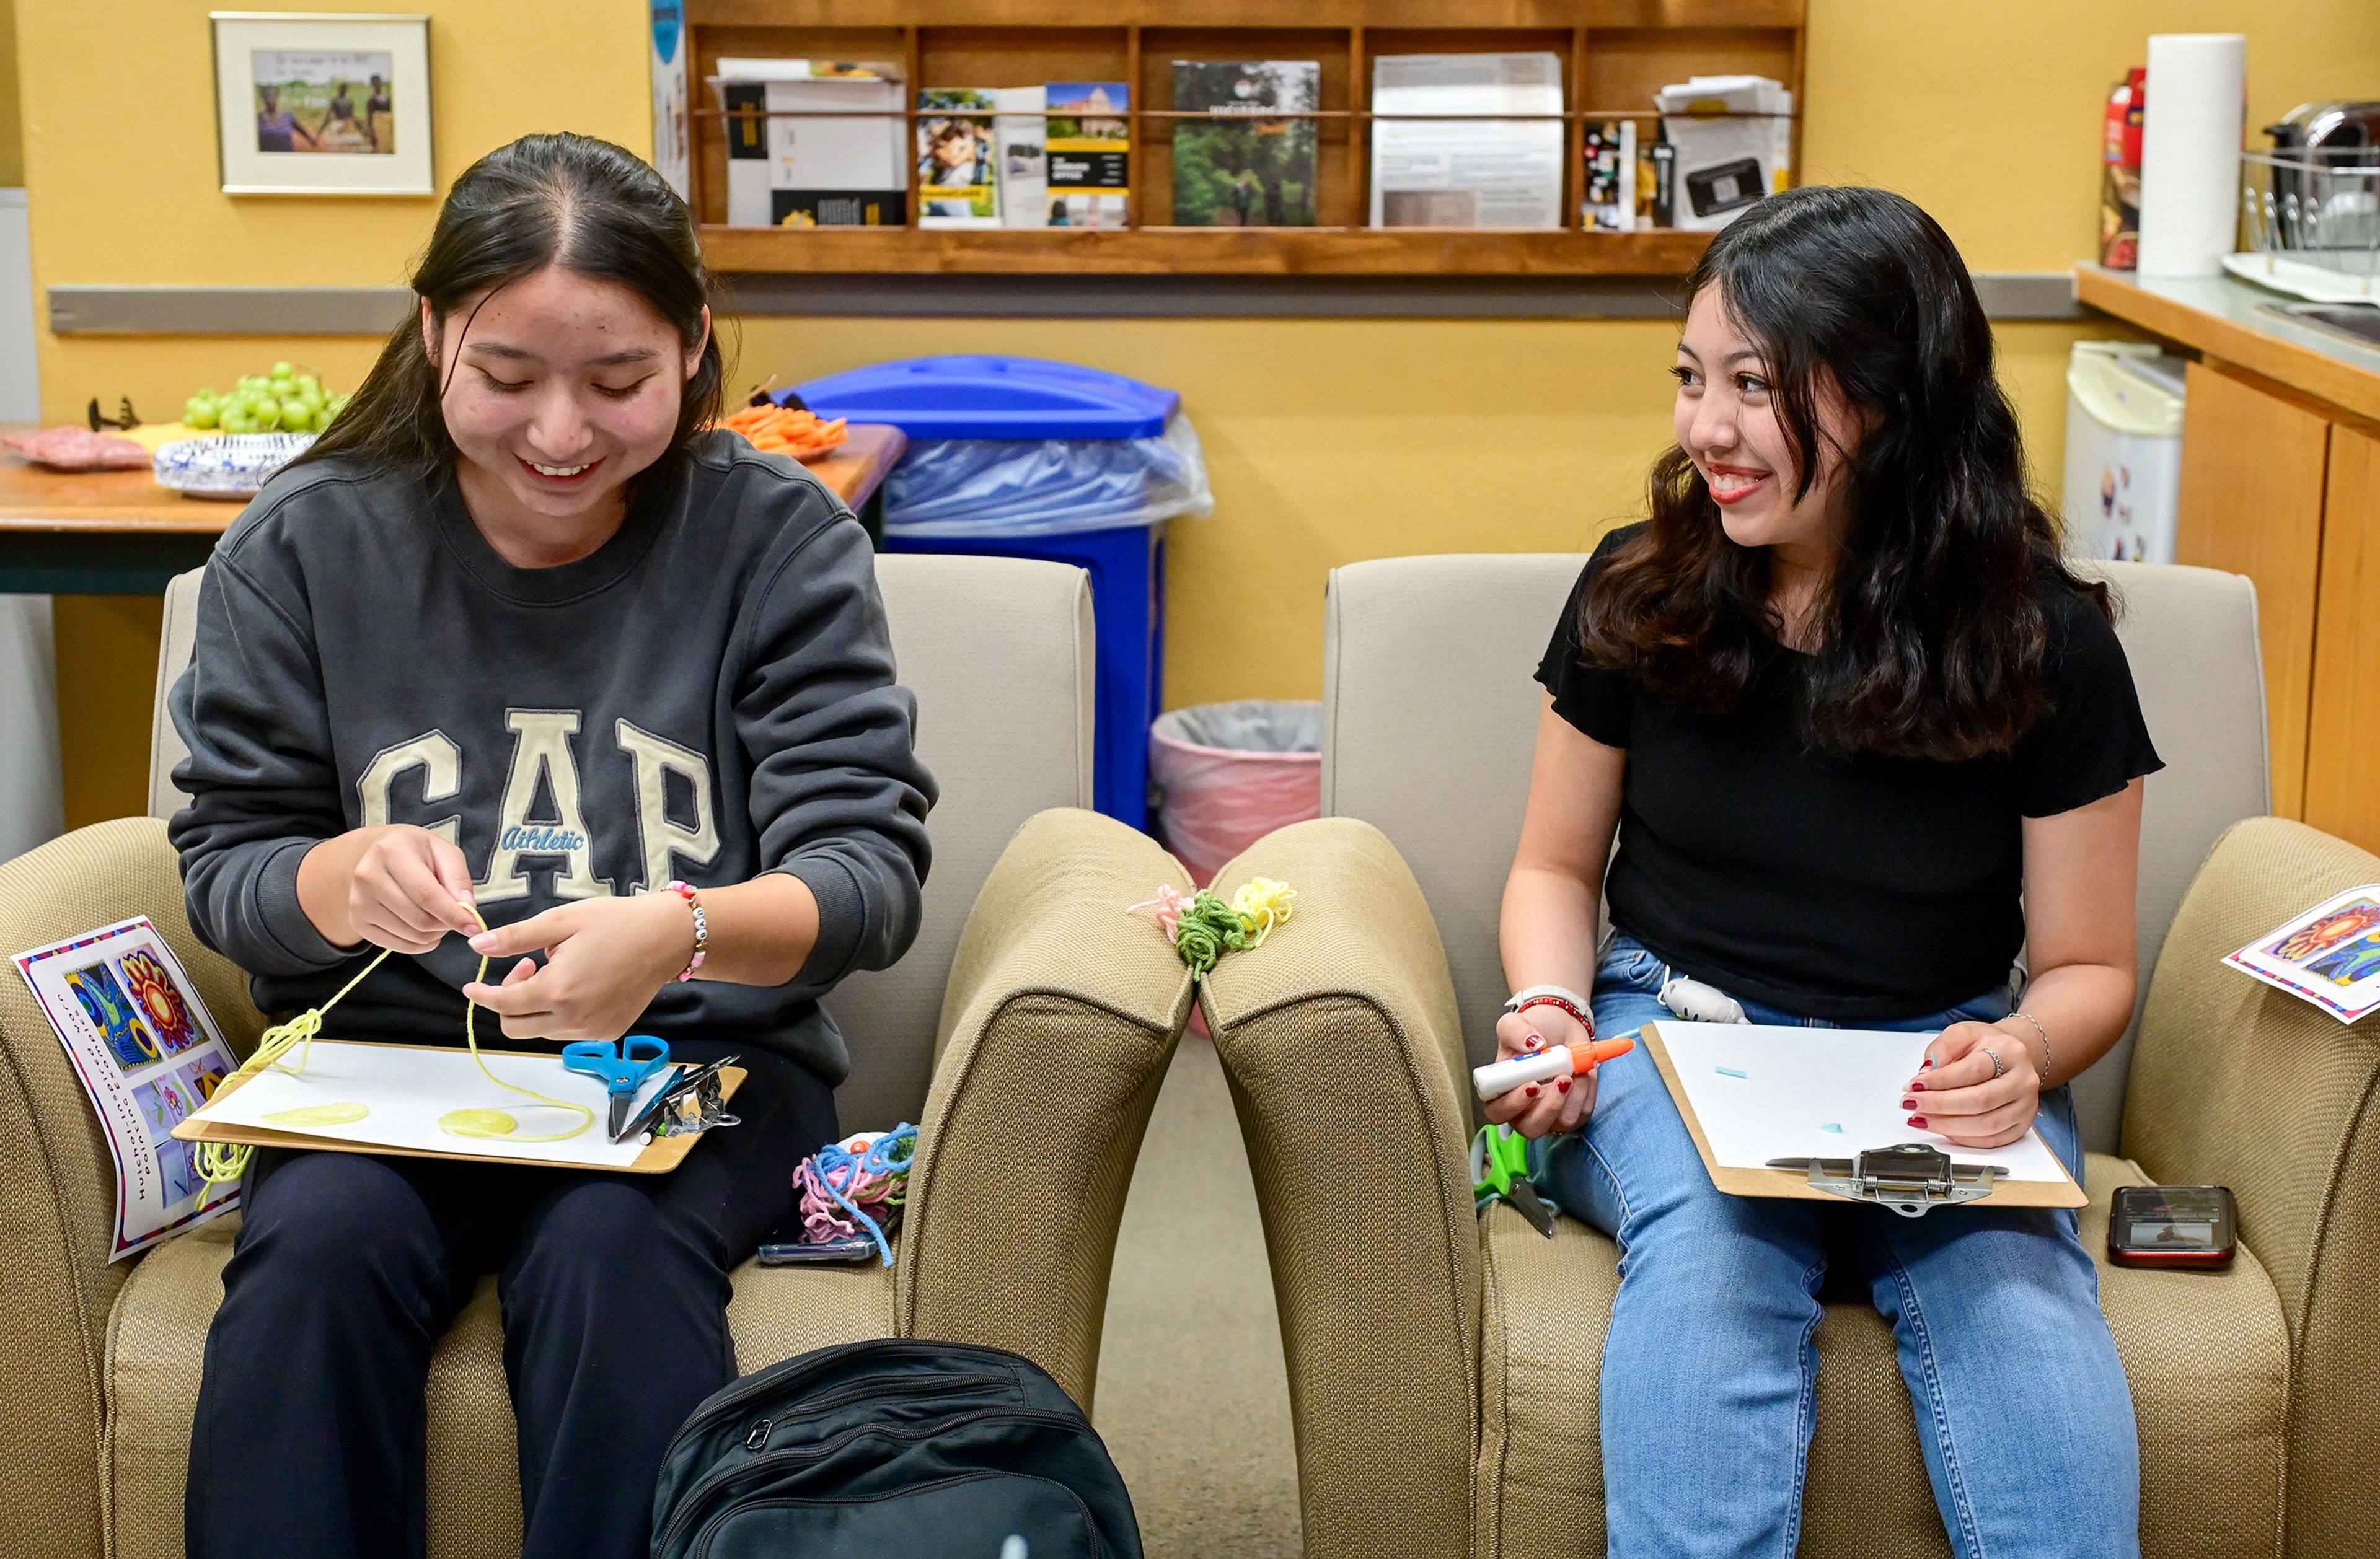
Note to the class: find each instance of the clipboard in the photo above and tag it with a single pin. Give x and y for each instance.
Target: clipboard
(1738, 1180)
(659, 1158)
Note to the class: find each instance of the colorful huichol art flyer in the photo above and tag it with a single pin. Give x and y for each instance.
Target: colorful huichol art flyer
(2329, 956)
(148, 1053)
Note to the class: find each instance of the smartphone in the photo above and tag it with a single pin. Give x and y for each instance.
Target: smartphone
(833, 1253)
(2173, 1226)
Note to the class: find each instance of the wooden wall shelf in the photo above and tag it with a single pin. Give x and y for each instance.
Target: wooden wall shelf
(1616, 53)
(1258, 251)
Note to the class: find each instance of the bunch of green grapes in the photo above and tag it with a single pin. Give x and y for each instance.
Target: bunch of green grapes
(287, 400)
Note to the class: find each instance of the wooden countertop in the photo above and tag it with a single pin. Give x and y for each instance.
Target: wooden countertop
(130, 502)
(2223, 317)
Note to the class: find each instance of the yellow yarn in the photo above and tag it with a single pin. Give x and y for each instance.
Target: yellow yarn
(1262, 903)
(220, 1163)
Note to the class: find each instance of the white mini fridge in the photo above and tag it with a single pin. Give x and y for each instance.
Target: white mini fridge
(2124, 403)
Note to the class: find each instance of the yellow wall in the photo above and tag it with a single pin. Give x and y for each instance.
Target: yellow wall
(12, 142)
(1329, 442)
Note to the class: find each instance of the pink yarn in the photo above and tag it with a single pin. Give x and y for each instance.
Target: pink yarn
(1169, 904)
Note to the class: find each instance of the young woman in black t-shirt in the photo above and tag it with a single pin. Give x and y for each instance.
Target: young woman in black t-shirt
(1863, 737)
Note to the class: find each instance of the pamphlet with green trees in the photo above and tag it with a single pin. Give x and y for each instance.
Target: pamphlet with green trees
(1238, 168)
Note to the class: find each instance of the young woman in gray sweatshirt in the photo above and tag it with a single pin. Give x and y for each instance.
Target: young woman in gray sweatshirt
(524, 638)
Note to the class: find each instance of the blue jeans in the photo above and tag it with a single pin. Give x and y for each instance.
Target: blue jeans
(1709, 1373)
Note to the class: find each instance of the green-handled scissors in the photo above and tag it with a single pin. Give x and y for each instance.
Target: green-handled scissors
(1500, 1169)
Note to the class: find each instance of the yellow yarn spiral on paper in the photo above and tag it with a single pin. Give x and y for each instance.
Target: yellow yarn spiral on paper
(221, 1163)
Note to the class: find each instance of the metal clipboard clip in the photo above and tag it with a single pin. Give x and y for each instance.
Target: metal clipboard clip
(1912, 1179)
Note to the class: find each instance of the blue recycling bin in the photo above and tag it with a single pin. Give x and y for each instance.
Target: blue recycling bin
(1074, 433)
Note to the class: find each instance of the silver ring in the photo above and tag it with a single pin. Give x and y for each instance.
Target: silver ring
(1999, 1068)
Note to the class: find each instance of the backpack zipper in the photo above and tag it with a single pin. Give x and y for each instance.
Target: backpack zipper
(729, 1399)
(826, 1402)
(689, 1506)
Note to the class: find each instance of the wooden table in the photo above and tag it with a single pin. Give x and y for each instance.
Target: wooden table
(2280, 481)
(118, 533)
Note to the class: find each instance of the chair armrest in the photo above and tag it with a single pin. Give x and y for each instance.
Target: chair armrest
(57, 1182)
(1059, 1018)
(2237, 1084)
(1342, 1042)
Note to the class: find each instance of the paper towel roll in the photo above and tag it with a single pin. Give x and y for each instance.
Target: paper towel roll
(2189, 151)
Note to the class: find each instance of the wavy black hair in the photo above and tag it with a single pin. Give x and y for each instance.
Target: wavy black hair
(1931, 634)
(590, 207)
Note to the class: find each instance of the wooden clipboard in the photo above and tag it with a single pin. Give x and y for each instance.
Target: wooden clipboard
(2061, 1192)
(661, 1155)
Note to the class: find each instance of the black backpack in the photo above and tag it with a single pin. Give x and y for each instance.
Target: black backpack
(876, 1449)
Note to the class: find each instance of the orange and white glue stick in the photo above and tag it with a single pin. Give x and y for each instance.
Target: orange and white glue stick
(1498, 1078)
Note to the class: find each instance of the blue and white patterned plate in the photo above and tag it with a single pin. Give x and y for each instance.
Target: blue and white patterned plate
(236, 465)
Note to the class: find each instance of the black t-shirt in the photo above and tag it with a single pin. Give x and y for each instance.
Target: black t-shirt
(1841, 887)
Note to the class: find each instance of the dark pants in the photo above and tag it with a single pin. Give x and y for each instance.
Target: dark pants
(312, 1422)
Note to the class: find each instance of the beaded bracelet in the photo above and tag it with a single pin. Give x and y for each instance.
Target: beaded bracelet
(701, 928)
(1553, 996)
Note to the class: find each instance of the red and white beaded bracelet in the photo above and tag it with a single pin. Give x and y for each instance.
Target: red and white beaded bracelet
(1553, 996)
(701, 928)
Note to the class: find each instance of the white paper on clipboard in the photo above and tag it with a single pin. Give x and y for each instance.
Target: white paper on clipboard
(1760, 1092)
(404, 1089)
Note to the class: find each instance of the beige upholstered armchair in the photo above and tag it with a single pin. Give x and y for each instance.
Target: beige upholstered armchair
(1444, 1368)
(1027, 1031)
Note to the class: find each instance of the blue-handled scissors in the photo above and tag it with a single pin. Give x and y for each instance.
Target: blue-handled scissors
(622, 1064)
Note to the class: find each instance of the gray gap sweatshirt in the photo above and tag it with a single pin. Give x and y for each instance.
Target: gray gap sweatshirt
(707, 696)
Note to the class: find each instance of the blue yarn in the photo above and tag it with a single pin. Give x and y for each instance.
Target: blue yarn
(881, 1158)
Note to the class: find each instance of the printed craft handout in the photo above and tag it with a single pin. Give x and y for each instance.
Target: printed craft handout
(2329, 956)
(149, 1054)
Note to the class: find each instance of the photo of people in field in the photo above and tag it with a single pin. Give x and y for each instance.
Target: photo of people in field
(324, 101)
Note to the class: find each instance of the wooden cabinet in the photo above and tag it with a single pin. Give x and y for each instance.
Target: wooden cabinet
(2286, 489)
(2343, 784)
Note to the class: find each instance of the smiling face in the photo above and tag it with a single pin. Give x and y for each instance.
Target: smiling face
(1728, 422)
(565, 388)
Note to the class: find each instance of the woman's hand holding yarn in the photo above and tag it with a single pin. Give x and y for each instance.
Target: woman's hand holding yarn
(1969, 1097)
(394, 886)
(606, 960)
(1540, 1109)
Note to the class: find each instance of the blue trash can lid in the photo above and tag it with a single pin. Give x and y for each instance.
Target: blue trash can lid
(992, 397)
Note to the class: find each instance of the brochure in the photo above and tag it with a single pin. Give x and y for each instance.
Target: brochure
(957, 186)
(1240, 169)
(1438, 169)
(1089, 142)
(825, 159)
(2329, 956)
(672, 154)
(1611, 176)
(1018, 140)
(1733, 140)
(148, 1052)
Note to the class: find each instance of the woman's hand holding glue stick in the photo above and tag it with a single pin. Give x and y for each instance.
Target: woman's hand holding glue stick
(1556, 1063)
(1542, 1079)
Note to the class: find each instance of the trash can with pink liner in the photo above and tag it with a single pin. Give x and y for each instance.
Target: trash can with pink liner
(1226, 775)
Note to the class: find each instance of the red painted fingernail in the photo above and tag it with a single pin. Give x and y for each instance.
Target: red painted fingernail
(1929, 1060)
(1533, 1090)
(1536, 1044)
(1917, 1088)
(1918, 1121)
(1909, 1103)
(1563, 1087)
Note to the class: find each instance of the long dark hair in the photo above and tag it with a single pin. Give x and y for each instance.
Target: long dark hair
(570, 200)
(1931, 634)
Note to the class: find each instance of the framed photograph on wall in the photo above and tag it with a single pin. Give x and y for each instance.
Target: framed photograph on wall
(322, 104)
